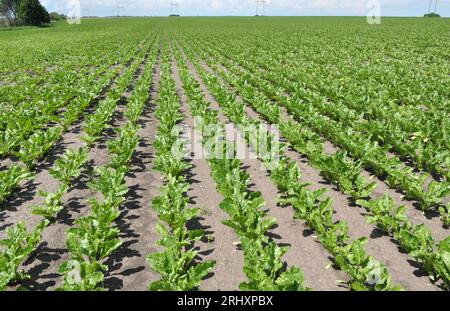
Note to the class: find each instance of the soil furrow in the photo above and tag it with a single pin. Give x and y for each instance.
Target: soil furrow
(137, 223)
(6, 162)
(16, 209)
(227, 273)
(403, 268)
(51, 252)
(430, 218)
(304, 252)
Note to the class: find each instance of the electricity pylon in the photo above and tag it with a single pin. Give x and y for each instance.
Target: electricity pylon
(119, 9)
(174, 8)
(260, 7)
(435, 6)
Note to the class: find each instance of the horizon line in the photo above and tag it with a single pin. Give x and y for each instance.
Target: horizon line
(138, 16)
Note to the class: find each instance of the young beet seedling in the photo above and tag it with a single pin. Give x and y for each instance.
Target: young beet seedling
(52, 204)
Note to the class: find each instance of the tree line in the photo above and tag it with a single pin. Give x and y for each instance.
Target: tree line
(25, 12)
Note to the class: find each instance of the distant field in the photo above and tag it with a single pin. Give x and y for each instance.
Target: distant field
(324, 156)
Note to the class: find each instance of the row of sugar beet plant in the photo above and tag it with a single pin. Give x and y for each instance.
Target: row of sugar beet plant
(31, 131)
(263, 264)
(177, 261)
(371, 90)
(309, 205)
(357, 136)
(94, 237)
(340, 170)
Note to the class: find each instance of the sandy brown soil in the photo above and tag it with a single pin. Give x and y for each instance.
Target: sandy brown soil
(16, 207)
(304, 251)
(76, 128)
(128, 267)
(51, 252)
(402, 267)
(227, 274)
(430, 218)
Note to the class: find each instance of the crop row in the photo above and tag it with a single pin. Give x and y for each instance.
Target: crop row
(373, 90)
(263, 264)
(92, 229)
(177, 262)
(416, 240)
(62, 106)
(38, 144)
(312, 108)
(95, 237)
(368, 153)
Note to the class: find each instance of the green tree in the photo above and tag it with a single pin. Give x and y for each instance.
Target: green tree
(432, 15)
(55, 16)
(31, 12)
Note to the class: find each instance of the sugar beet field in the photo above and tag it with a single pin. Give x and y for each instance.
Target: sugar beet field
(226, 154)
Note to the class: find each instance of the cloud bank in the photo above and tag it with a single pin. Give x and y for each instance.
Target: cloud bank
(239, 7)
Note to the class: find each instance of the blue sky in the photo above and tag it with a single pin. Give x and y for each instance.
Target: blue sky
(247, 7)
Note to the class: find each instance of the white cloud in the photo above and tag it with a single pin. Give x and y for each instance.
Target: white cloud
(350, 6)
